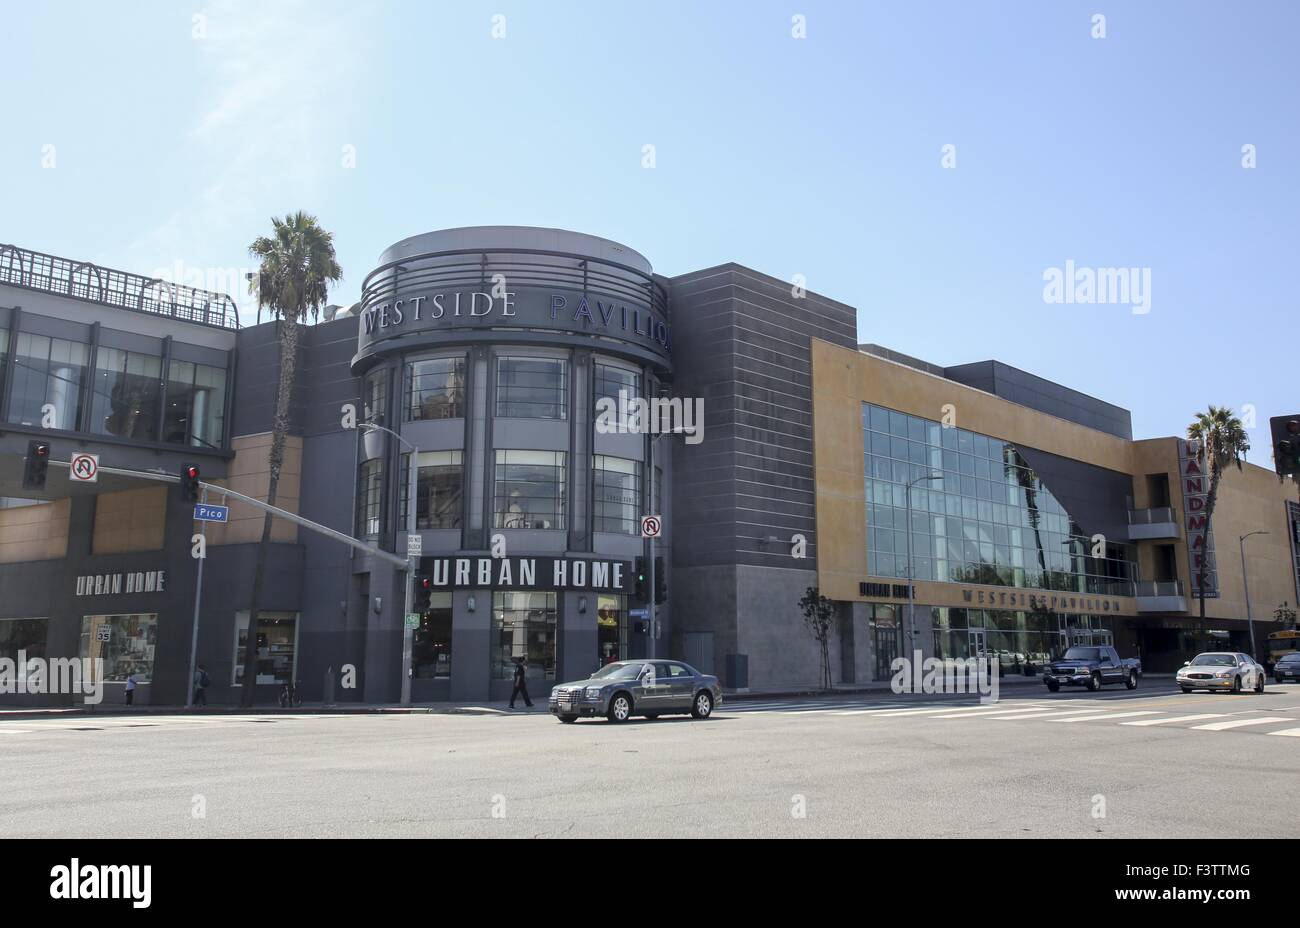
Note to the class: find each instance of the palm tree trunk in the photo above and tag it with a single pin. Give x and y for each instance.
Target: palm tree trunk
(1203, 573)
(288, 332)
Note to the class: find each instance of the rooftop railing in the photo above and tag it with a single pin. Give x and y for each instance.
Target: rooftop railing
(81, 280)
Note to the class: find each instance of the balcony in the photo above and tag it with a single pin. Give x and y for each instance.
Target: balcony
(1160, 596)
(1148, 524)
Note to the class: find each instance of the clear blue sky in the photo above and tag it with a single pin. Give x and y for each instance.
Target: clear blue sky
(818, 157)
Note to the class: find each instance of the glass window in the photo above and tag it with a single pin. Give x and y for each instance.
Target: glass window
(532, 388)
(47, 371)
(610, 380)
(129, 648)
(4, 353)
(437, 389)
(530, 489)
(25, 635)
(277, 645)
(196, 405)
(438, 488)
(616, 495)
(611, 628)
(370, 497)
(127, 394)
(523, 625)
(431, 647)
(374, 396)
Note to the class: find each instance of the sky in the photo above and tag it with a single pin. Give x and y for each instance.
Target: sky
(797, 138)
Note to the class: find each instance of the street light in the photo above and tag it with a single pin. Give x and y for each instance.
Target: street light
(911, 595)
(408, 634)
(1250, 623)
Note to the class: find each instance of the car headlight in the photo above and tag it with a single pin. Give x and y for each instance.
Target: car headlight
(1223, 673)
(592, 692)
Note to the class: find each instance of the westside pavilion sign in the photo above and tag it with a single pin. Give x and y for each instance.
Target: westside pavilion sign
(526, 308)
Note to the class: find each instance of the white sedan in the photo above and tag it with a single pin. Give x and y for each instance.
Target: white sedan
(1222, 671)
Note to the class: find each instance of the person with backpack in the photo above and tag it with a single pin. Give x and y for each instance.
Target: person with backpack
(521, 683)
(201, 683)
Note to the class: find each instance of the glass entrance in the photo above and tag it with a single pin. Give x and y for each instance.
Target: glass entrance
(976, 643)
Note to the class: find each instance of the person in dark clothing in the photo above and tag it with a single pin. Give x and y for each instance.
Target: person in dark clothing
(521, 683)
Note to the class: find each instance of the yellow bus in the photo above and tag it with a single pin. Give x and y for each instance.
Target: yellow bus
(1279, 643)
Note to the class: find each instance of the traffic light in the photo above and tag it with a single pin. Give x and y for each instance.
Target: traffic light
(640, 592)
(190, 483)
(661, 581)
(35, 465)
(1286, 445)
(423, 595)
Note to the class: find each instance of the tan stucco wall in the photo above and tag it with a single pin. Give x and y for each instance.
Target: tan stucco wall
(35, 533)
(130, 520)
(250, 474)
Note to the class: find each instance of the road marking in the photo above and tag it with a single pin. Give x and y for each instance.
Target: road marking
(14, 731)
(1054, 714)
(993, 713)
(1108, 715)
(1237, 723)
(1287, 732)
(1178, 718)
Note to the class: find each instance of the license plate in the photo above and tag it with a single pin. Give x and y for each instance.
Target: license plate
(1062, 679)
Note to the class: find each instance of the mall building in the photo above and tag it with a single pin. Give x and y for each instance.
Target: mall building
(483, 356)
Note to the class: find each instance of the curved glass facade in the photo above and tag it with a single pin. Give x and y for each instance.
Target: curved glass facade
(987, 519)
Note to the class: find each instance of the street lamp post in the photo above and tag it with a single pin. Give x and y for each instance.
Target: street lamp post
(1250, 622)
(911, 595)
(408, 634)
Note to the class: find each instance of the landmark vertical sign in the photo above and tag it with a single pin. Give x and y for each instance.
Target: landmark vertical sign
(1194, 477)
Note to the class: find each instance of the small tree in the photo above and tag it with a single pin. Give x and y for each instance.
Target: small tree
(818, 617)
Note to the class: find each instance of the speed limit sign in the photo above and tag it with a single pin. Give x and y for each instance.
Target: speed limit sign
(651, 526)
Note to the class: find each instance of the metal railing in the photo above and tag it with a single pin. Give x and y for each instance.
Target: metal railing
(1156, 516)
(81, 280)
(1159, 588)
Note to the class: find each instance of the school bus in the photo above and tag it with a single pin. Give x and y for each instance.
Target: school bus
(1280, 643)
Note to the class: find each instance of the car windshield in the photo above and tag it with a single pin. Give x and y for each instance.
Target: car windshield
(1214, 660)
(1290, 659)
(618, 671)
(1082, 654)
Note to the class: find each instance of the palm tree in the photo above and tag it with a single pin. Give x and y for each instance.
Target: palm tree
(1222, 441)
(297, 266)
(1028, 482)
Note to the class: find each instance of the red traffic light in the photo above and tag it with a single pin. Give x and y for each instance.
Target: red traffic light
(426, 583)
(42, 450)
(1293, 426)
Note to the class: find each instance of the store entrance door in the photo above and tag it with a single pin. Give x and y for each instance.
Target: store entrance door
(976, 643)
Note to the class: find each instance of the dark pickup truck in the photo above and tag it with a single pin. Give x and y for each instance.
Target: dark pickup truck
(1092, 666)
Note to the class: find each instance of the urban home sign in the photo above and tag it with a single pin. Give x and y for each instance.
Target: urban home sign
(527, 573)
(139, 581)
(526, 308)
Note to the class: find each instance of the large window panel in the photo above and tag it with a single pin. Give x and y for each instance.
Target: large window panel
(129, 648)
(438, 488)
(370, 498)
(524, 625)
(436, 389)
(532, 388)
(25, 636)
(47, 371)
(616, 495)
(196, 405)
(529, 489)
(277, 647)
(611, 380)
(431, 645)
(127, 394)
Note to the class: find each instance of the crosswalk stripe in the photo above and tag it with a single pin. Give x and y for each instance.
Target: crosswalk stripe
(1054, 715)
(1178, 718)
(1108, 715)
(1287, 732)
(14, 731)
(1237, 723)
(991, 713)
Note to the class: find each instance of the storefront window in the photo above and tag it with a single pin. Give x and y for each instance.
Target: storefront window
(610, 380)
(129, 648)
(886, 639)
(611, 628)
(25, 635)
(196, 405)
(370, 497)
(437, 389)
(532, 388)
(530, 489)
(431, 648)
(523, 625)
(616, 495)
(277, 646)
(127, 394)
(438, 489)
(47, 371)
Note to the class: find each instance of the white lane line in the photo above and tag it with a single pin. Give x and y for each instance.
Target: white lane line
(991, 713)
(14, 731)
(1108, 715)
(1286, 733)
(1054, 715)
(1236, 723)
(1178, 718)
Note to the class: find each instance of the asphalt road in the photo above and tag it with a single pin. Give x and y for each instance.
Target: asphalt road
(1147, 763)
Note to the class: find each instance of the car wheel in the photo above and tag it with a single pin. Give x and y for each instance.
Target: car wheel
(702, 708)
(568, 719)
(620, 708)
(1236, 684)
(1259, 683)
(1053, 687)
(1094, 682)
(1131, 681)
(1185, 689)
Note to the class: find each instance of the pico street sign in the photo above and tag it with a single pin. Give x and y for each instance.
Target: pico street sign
(83, 467)
(639, 613)
(651, 526)
(205, 513)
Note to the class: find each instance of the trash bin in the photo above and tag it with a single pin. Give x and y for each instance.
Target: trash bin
(735, 674)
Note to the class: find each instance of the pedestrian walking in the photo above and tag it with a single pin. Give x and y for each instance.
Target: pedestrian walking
(130, 688)
(201, 682)
(521, 683)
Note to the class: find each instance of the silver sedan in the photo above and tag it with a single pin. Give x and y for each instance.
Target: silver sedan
(1222, 671)
(648, 688)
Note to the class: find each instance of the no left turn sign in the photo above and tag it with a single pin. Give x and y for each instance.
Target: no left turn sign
(84, 467)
